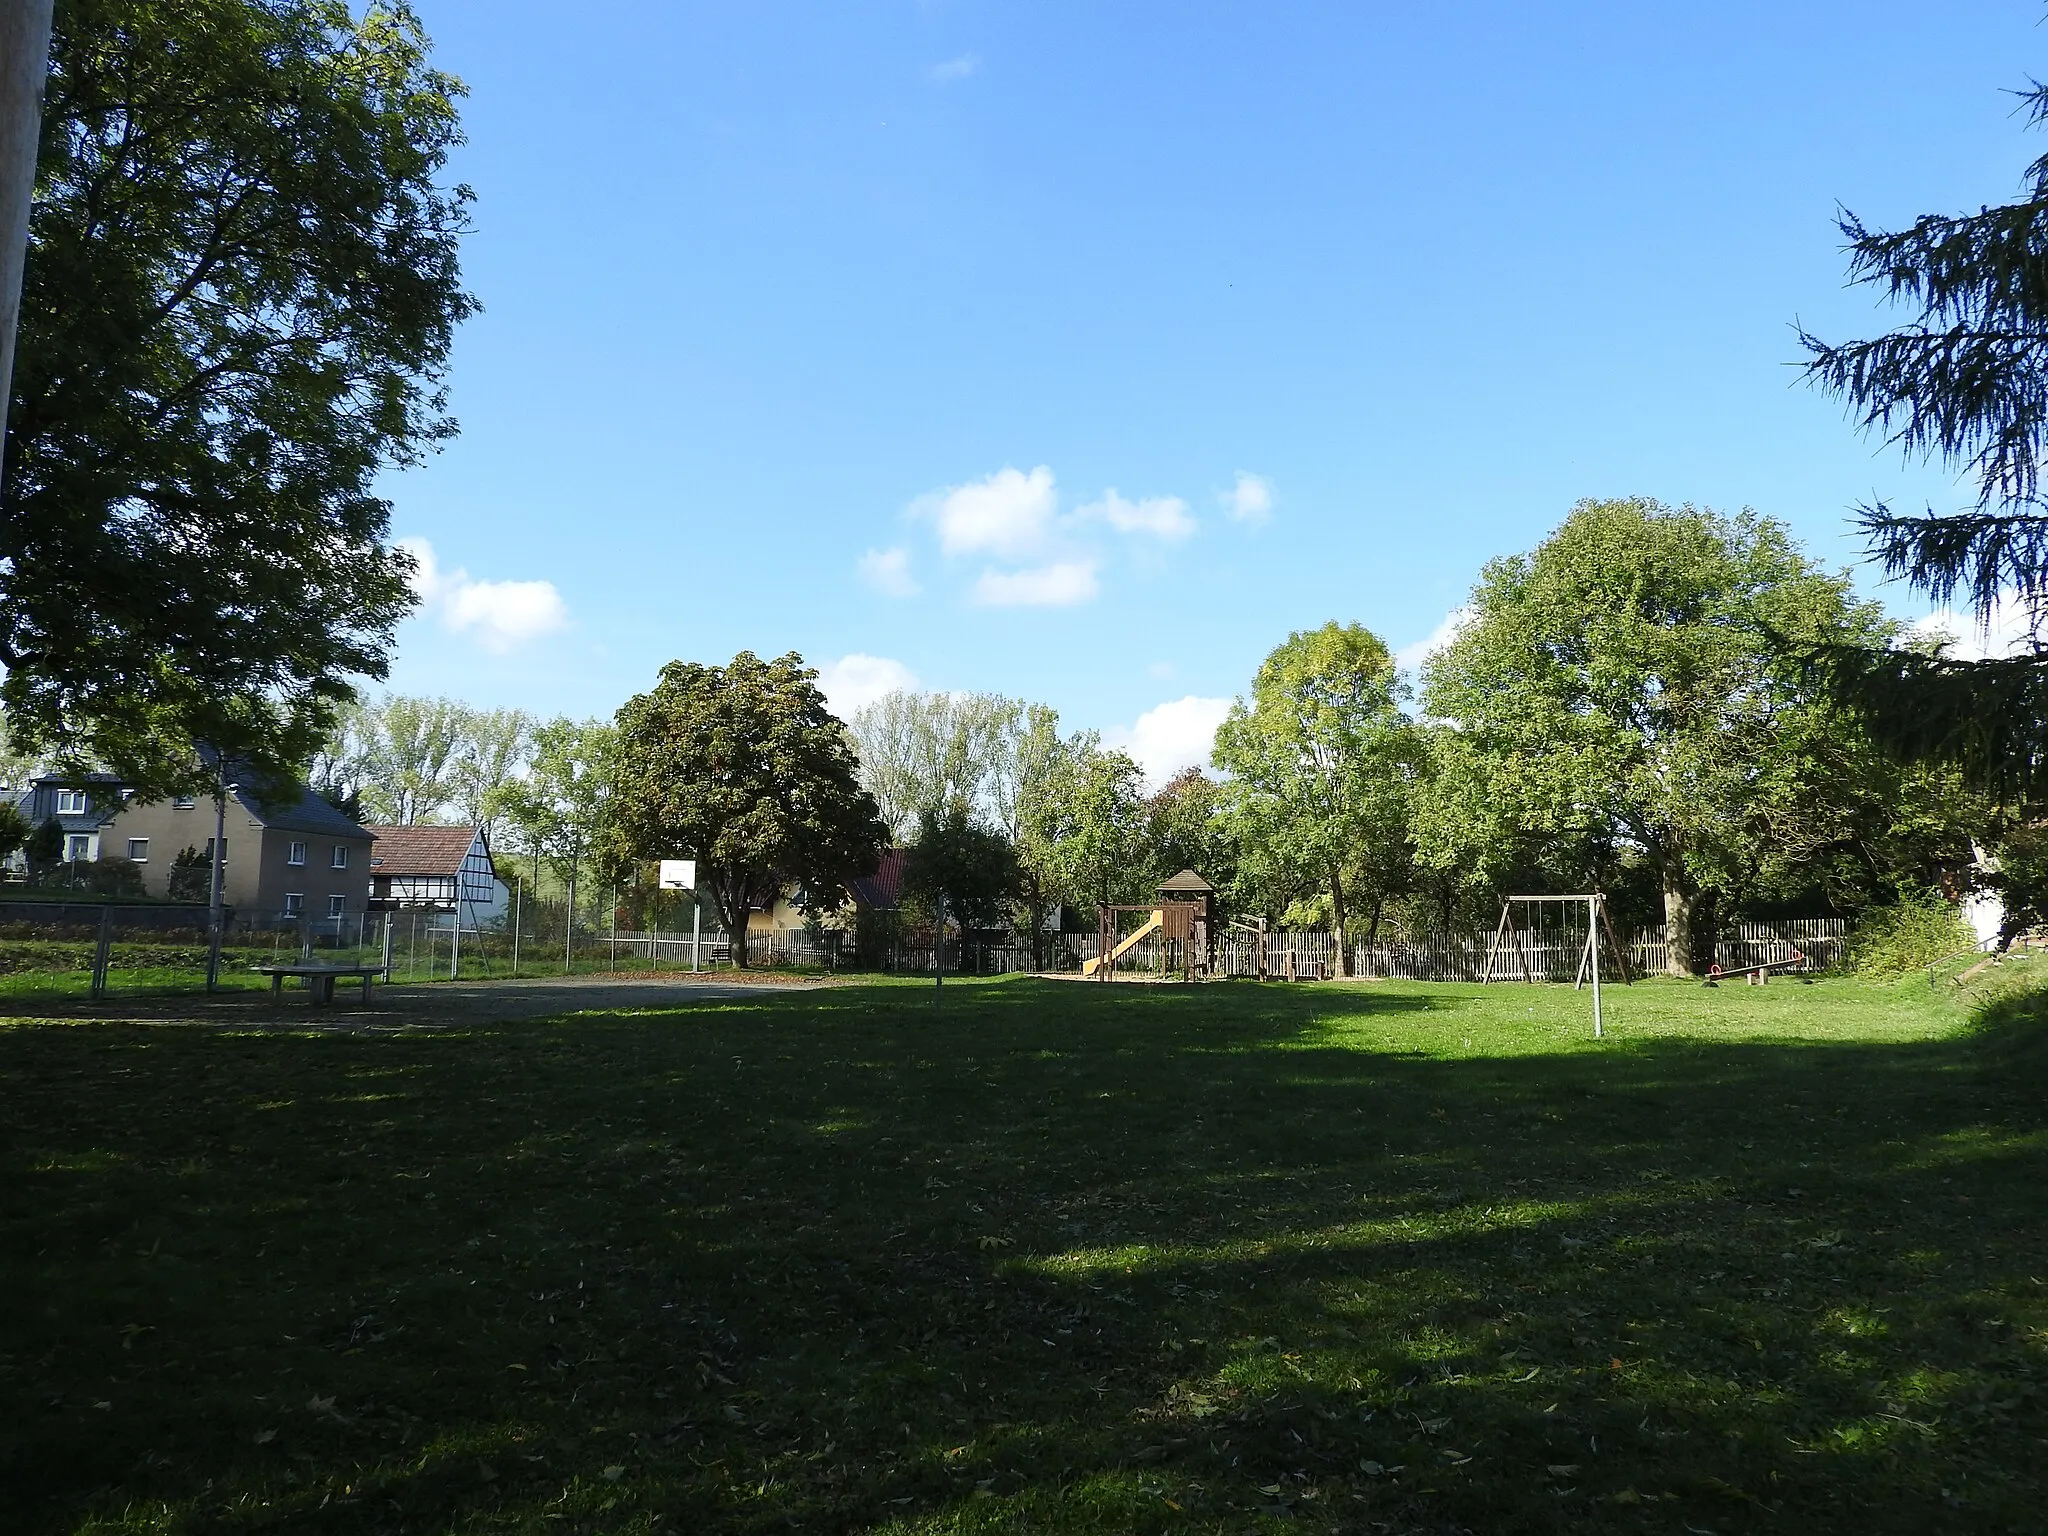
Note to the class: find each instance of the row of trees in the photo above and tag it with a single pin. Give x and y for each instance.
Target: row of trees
(1630, 707)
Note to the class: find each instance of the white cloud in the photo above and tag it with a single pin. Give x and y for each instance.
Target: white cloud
(1410, 657)
(1008, 514)
(1173, 736)
(1059, 585)
(955, 69)
(888, 572)
(1164, 517)
(1250, 500)
(2006, 632)
(855, 681)
(500, 615)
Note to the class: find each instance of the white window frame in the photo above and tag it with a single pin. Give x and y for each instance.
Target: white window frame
(295, 855)
(340, 860)
(294, 903)
(135, 843)
(337, 906)
(77, 847)
(72, 802)
(183, 803)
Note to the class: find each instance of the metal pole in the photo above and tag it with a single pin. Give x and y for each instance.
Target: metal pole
(388, 916)
(24, 66)
(939, 950)
(100, 951)
(1593, 905)
(518, 902)
(214, 894)
(696, 932)
(615, 929)
(569, 928)
(455, 944)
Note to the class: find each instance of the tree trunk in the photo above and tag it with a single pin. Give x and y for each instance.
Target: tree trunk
(1679, 901)
(1337, 923)
(736, 932)
(733, 908)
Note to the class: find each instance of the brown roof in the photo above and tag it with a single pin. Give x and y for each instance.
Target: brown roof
(1186, 880)
(883, 890)
(420, 850)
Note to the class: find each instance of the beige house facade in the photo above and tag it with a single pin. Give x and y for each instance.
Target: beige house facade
(303, 860)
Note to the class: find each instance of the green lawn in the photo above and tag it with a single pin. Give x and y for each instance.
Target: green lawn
(1054, 1258)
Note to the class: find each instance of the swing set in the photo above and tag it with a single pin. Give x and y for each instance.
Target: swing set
(1599, 937)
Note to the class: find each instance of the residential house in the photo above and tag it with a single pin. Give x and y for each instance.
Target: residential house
(438, 869)
(80, 806)
(298, 861)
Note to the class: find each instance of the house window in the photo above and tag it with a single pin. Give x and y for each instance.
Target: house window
(294, 903)
(184, 803)
(78, 848)
(337, 906)
(138, 849)
(297, 854)
(224, 845)
(70, 802)
(341, 855)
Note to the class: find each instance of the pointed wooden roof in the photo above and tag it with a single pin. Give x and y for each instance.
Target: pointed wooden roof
(1188, 881)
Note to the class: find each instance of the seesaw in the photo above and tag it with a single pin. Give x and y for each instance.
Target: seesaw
(1755, 975)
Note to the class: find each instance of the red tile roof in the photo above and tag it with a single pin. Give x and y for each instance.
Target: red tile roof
(420, 850)
(883, 890)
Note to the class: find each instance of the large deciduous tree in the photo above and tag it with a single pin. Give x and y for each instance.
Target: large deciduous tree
(561, 803)
(934, 752)
(1632, 684)
(1320, 761)
(743, 768)
(1963, 381)
(961, 868)
(240, 292)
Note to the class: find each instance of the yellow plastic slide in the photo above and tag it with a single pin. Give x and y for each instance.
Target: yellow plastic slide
(1152, 925)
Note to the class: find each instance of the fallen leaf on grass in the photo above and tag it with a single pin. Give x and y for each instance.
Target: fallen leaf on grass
(265, 1436)
(613, 1474)
(319, 1405)
(1563, 1469)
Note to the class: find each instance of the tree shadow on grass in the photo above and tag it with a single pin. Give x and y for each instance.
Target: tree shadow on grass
(1039, 1259)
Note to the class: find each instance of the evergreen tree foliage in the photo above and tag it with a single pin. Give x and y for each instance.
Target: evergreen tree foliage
(1963, 381)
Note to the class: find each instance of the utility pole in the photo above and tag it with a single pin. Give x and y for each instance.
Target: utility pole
(24, 66)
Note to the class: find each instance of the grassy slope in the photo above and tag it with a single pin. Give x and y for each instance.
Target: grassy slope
(1060, 1258)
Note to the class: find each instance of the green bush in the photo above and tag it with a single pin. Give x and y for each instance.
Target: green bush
(1923, 929)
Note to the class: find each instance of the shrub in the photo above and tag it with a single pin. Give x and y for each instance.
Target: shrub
(1921, 930)
(191, 877)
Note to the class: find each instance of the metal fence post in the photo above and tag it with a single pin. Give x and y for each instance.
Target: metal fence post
(100, 950)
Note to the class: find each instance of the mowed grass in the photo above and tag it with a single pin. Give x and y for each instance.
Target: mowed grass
(1051, 1257)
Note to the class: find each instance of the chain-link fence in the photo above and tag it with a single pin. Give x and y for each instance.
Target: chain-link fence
(59, 949)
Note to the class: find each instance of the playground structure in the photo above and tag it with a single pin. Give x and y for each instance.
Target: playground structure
(1755, 975)
(1599, 936)
(1184, 918)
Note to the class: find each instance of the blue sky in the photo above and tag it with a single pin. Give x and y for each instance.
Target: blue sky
(1081, 352)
